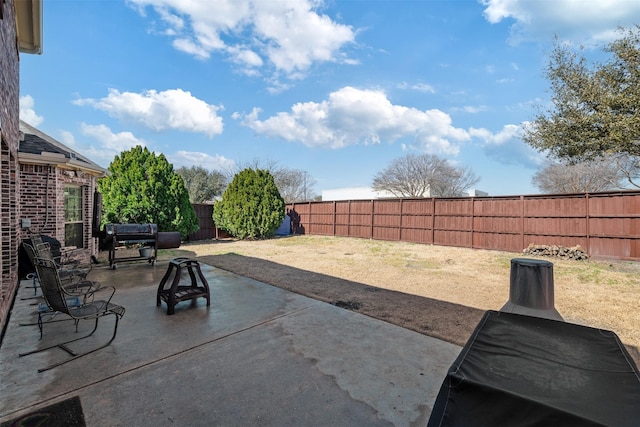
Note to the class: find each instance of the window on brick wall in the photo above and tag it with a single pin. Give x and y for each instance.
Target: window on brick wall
(73, 221)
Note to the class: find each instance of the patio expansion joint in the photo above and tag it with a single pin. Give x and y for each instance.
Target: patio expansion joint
(58, 397)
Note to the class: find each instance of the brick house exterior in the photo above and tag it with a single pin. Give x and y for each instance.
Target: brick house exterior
(48, 172)
(25, 38)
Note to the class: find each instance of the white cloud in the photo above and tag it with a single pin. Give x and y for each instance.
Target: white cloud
(506, 146)
(287, 35)
(507, 133)
(589, 22)
(419, 87)
(27, 111)
(191, 158)
(351, 116)
(67, 138)
(171, 109)
(109, 144)
(472, 109)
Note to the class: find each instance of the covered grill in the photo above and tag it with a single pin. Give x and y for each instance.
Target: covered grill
(121, 236)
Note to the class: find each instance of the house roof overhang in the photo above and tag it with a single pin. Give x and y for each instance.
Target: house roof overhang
(38, 148)
(29, 25)
(62, 162)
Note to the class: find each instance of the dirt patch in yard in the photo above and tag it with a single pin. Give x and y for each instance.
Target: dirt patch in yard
(434, 290)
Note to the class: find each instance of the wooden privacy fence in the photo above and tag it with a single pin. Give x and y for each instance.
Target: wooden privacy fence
(605, 225)
(208, 229)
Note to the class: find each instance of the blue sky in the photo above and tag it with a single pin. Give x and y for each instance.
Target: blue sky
(335, 88)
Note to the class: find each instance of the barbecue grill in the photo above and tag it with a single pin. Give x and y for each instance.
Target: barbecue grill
(120, 236)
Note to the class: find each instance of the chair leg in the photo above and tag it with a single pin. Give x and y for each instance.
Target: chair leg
(62, 345)
(77, 356)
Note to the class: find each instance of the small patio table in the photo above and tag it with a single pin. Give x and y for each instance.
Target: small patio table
(174, 293)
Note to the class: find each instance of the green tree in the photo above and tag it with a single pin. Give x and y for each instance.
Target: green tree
(143, 188)
(294, 185)
(595, 108)
(203, 186)
(251, 206)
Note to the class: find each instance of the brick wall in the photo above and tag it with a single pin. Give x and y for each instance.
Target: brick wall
(10, 125)
(42, 201)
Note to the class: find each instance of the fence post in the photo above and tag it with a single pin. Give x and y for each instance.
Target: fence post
(473, 216)
(373, 203)
(309, 209)
(401, 218)
(522, 222)
(334, 218)
(349, 219)
(588, 220)
(433, 220)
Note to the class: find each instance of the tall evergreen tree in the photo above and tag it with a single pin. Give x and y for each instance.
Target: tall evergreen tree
(143, 188)
(251, 206)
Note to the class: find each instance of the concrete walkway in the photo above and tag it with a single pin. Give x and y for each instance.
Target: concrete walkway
(258, 355)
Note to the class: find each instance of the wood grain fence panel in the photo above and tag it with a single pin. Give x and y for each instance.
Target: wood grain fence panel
(361, 231)
(342, 230)
(453, 223)
(615, 204)
(320, 229)
(208, 229)
(361, 207)
(511, 242)
(386, 233)
(615, 248)
(461, 239)
(614, 227)
(462, 206)
(556, 226)
(487, 225)
(387, 207)
(417, 206)
(342, 207)
(554, 206)
(606, 225)
(415, 221)
(322, 219)
(342, 219)
(544, 239)
(387, 220)
(360, 219)
(417, 236)
(500, 207)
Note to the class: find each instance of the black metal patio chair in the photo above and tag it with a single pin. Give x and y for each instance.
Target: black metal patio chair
(70, 268)
(73, 280)
(88, 308)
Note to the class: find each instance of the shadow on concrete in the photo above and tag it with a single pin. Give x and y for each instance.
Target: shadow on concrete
(447, 321)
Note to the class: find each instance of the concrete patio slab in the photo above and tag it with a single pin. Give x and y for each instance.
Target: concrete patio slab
(258, 355)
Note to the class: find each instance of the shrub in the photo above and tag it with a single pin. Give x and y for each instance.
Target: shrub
(251, 206)
(142, 187)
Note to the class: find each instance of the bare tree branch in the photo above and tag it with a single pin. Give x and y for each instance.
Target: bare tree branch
(424, 175)
(590, 176)
(294, 185)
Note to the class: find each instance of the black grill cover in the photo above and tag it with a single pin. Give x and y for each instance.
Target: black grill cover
(131, 229)
(124, 232)
(518, 370)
